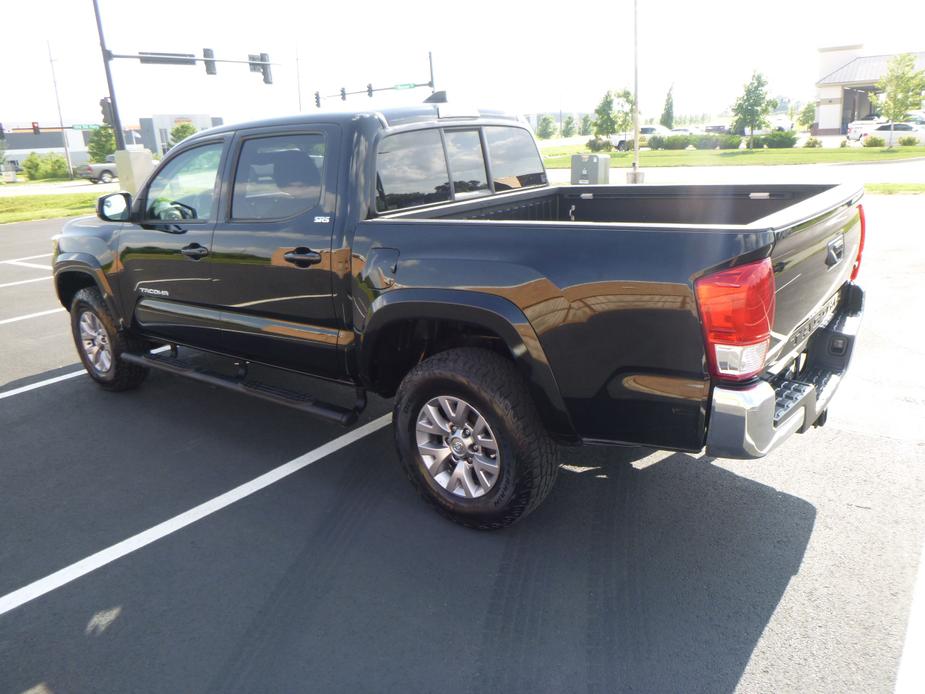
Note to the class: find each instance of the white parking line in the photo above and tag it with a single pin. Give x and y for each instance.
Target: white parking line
(81, 568)
(28, 257)
(41, 384)
(30, 315)
(35, 279)
(19, 263)
(58, 379)
(910, 678)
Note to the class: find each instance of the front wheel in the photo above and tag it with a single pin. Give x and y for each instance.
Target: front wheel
(100, 345)
(471, 440)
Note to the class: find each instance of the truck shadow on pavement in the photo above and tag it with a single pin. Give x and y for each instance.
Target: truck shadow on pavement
(648, 575)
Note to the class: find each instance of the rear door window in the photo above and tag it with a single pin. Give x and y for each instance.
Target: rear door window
(515, 161)
(411, 171)
(467, 163)
(278, 177)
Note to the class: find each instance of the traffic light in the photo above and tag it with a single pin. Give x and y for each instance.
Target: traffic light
(318, 99)
(106, 110)
(343, 93)
(208, 54)
(265, 68)
(35, 128)
(369, 89)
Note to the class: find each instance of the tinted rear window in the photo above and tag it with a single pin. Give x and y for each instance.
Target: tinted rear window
(464, 150)
(411, 171)
(515, 163)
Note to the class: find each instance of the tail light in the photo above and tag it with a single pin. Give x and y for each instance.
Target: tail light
(857, 261)
(737, 311)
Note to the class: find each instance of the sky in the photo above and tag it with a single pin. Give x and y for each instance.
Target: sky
(521, 57)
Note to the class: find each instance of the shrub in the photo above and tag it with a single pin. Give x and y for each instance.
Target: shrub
(780, 139)
(600, 144)
(844, 143)
(874, 141)
(674, 141)
(908, 141)
(49, 165)
(813, 142)
(706, 141)
(729, 141)
(657, 142)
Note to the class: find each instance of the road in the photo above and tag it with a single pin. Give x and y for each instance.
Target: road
(910, 171)
(644, 571)
(78, 185)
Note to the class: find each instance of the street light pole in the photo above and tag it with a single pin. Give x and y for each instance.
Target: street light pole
(635, 92)
(54, 81)
(107, 56)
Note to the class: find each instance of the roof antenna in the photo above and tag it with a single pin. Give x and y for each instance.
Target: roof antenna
(436, 98)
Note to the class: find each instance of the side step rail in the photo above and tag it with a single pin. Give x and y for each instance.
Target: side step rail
(280, 396)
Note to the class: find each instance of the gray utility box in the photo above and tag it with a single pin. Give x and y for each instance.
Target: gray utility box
(590, 168)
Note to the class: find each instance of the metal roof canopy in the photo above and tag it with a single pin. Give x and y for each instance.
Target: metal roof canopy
(864, 70)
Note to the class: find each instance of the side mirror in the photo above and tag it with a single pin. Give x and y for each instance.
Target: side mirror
(114, 207)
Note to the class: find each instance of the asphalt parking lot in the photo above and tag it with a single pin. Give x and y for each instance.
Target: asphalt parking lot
(644, 571)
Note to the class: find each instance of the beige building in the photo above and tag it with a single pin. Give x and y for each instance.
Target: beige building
(847, 79)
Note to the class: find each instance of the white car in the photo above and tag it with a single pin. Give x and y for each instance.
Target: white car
(893, 133)
(858, 128)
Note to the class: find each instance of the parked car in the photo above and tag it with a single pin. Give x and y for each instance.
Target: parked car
(860, 127)
(891, 133)
(502, 313)
(686, 131)
(622, 141)
(103, 172)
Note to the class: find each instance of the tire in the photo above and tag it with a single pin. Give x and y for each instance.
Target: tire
(90, 313)
(526, 458)
(106, 177)
(94, 181)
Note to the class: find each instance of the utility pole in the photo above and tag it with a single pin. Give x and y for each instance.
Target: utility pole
(54, 81)
(107, 56)
(430, 60)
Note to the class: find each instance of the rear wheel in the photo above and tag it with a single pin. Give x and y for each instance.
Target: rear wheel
(100, 345)
(106, 177)
(470, 439)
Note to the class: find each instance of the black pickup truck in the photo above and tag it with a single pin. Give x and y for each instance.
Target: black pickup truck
(421, 253)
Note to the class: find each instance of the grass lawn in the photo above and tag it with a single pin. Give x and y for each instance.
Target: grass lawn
(895, 188)
(561, 157)
(24, 208)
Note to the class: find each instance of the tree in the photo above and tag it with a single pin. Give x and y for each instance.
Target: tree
(568, 127)
(546, 128)
(604, 124)
(807, 115)
(667, 118)
(101, 144)
(2, 153)
(587, 125)
(900, 89)
(623, 112)
(752, 108)
(181, 132)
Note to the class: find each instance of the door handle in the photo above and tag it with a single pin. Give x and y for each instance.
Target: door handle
(302, 257)
(195, 251)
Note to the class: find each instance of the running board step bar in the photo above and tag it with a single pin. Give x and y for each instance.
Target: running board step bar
(281, 396)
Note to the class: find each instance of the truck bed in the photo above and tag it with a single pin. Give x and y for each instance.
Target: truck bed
(606, 273)
(649, 204)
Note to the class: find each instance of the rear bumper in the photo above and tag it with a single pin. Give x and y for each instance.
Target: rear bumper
(751, 421)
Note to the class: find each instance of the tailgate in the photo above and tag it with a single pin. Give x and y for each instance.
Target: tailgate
(812, 259)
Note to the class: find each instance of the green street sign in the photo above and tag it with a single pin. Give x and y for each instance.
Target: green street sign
(85, 126)
(406, 85)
